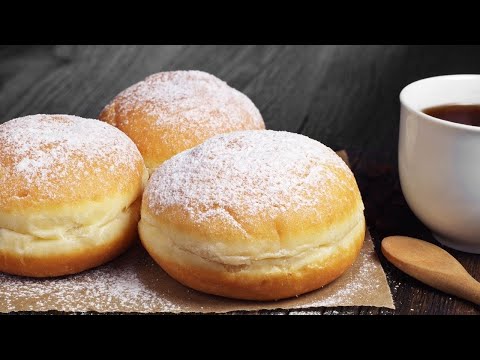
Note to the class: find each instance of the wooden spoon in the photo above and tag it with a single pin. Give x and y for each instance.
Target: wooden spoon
(431, 265)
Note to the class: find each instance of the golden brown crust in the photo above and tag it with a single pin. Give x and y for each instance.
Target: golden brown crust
(245, 206)
(259, 286)
(70, 195)
(286, 226)
(72, 262)
(257, 215)
(61, 180)
(170, 112)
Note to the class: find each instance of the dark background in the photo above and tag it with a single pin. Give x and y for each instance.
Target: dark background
(344, 96)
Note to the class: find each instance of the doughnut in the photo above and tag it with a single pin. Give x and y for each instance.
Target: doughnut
(256, 215)
(173, 111)
(70, 194)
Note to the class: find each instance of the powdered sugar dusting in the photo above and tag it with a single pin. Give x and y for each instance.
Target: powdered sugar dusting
(363, 284)
(43, 150)
(303, 312)
(194, 102)
(363, 280)
(258, 173)
(110, 288)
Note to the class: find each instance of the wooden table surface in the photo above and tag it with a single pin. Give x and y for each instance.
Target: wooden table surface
(343, 96)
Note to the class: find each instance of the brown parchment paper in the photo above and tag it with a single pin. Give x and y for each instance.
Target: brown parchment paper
(134, 283)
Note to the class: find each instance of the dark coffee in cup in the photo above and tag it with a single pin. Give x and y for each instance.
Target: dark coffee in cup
(468, 114)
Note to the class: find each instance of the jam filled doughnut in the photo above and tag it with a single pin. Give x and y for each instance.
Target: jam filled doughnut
(257, 215)
(70, 194)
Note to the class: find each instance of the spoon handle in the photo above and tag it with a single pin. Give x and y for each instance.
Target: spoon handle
(464, 286)
(470, 291)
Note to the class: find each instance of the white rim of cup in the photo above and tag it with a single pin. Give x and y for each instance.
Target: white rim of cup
(432, 118)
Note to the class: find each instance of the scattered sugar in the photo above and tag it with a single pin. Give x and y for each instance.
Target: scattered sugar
(305, 312)
(257, 173)
(134, 283)
(106, 289)
(360, 282)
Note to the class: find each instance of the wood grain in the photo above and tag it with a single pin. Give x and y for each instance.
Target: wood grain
(344, 96)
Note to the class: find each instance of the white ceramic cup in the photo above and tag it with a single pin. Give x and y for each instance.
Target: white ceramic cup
(439, 161)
